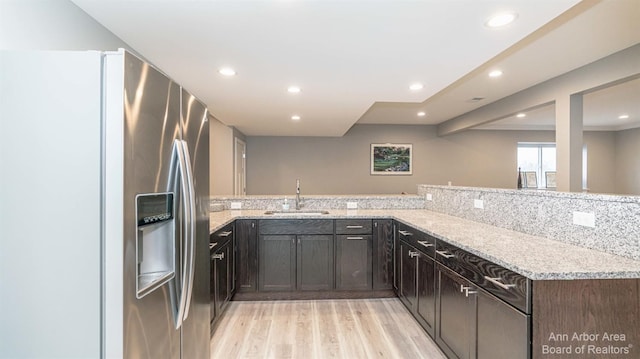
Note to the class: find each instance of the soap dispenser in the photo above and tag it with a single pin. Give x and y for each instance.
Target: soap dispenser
(285, 205)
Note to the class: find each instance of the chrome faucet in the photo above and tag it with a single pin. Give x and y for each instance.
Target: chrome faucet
(297, 194)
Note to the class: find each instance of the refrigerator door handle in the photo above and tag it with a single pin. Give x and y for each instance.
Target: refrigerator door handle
(191, 238)
(178, 174)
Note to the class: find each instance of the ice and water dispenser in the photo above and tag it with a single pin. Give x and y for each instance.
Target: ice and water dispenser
(155, 241)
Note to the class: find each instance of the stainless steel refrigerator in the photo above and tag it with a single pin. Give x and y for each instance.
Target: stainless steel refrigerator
(104, 195)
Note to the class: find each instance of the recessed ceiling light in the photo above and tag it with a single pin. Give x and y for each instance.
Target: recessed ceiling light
(422, 114)
(227, 71)
(295, 118)
(495, 73)
(501, 19)
(416, 86)
(521, 115)
(293, 89)
(623, 117)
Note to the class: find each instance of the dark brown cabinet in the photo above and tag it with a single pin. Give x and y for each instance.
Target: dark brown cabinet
(473, 308)
(354, 254)
(221, 261)
(277, 263)
(408, 275)
(426, 292)
(502, 331)
(455, 308)
(473, 323)
(222, 270)
(353, 262)
(296, 255)
(382, 261)
(246, 255)
(314, 270)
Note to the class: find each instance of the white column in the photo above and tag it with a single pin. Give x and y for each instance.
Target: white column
(569, 143)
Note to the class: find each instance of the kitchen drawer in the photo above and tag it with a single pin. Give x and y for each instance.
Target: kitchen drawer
(353, 226)
(295, 226)
(222, 236)
(505, 284)
(422, 241)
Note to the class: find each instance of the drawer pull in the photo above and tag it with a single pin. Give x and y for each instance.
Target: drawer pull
(354, 238)
(425, 244)
(446, 254)
(354, 227)
(497, 282)
(218, 256)
(405, 233)
(467, 290)
(413, 254)
(225, 234)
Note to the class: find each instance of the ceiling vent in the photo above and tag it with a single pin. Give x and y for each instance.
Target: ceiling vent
(476, 99)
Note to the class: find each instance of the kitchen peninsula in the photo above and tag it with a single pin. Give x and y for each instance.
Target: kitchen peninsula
(565, 288)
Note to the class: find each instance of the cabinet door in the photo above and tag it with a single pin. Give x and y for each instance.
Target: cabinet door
(397, 262)
(382, 260)
(247, 255)
(502, 331)
(212, 285)
(315, 262)
(222, 272)
(277, 262)
(455, 311)
(408, 268)
(353, 270)
(426, 303)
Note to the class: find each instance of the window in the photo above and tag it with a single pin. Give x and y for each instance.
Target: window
(539, 158)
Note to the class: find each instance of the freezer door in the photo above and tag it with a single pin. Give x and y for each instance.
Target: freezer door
(151, 126)
(195, 130)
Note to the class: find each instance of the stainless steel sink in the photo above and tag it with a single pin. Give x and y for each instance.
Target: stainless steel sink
(297, 213)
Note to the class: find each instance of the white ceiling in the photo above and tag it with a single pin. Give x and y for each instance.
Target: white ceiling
(355, 59)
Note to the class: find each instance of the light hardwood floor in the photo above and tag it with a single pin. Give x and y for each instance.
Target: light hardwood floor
(317, 329)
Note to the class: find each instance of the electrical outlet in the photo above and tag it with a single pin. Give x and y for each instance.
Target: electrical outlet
(586, 219)
(352, 205)
(478, 203)
(236, 205)
(429, 197)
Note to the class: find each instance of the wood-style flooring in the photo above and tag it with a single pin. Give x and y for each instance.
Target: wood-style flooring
(317, 329)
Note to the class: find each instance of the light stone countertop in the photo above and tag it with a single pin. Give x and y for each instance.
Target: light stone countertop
(534, 257)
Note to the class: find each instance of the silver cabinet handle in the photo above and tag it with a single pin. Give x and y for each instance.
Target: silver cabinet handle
(225, 234)
(405, 233)
(467, 290)
(218, 256)
(425, 244)
(496, 281)
(354, 227)
(445, 254)
(354, 238)
(413, 254)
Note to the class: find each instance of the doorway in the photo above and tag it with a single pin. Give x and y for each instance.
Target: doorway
(239, 167)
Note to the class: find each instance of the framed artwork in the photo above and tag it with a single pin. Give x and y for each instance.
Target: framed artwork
(391, 159)
(531, 179)
(550, 177)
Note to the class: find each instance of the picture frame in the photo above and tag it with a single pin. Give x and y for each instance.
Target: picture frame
(530, 179)
(390, 159)
(550, 179)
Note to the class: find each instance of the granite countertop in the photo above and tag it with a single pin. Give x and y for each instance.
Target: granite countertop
(534, 257)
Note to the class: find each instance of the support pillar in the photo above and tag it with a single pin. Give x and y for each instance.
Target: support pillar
(569, 143)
